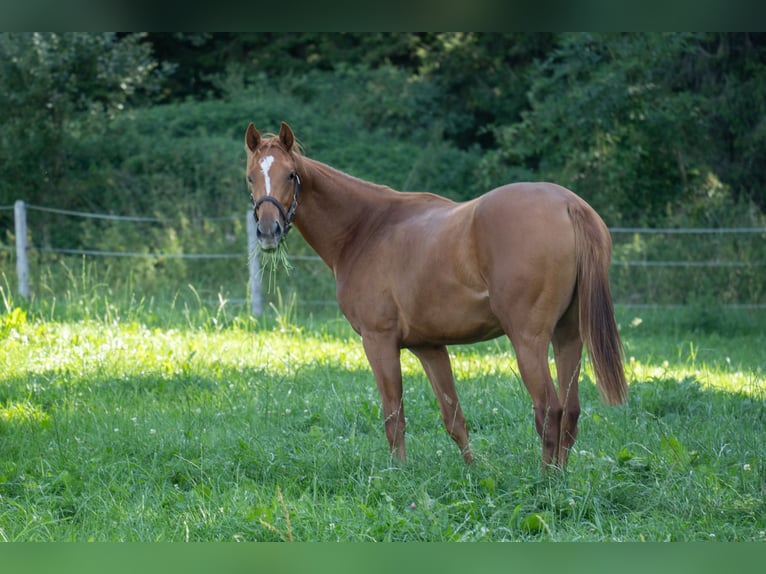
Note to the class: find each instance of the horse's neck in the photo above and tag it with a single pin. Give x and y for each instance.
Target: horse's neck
(337, 208)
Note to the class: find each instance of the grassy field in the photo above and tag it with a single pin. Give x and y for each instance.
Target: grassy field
(206, 425)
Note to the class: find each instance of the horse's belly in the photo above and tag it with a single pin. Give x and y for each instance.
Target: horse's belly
(448, 319)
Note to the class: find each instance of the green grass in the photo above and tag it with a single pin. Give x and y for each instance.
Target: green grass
(214, 426)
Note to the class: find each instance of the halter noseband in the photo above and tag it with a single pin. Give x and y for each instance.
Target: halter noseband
(287, 216)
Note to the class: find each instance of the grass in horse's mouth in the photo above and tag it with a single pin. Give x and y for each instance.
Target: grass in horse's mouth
(271, 260)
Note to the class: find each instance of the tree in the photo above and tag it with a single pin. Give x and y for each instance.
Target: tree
(203, 59)
(644, 125)
(57, 89)
(482, 79)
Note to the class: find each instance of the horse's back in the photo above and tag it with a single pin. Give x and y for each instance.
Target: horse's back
(529, 203)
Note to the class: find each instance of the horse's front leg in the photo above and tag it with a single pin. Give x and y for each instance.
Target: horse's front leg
(384, 356)
(436, 363)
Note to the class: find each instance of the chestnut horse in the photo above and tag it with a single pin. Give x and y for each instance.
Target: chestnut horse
(419, 271)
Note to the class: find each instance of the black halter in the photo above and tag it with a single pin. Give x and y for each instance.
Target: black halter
(287, 216)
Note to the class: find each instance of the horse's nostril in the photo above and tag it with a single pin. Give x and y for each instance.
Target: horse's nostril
(276, 229)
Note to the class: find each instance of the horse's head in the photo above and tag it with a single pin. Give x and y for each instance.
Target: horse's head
(273, 182)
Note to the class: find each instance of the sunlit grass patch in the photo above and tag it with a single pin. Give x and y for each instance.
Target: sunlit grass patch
(13, 319)
(721, 365)
(22, 413)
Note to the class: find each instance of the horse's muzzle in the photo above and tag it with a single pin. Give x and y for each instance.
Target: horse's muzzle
(269, 233)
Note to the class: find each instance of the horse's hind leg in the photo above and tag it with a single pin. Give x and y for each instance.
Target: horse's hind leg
(567, 349)
(436, 363)
(532, 357)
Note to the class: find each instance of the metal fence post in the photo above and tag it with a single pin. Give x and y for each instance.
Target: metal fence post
(22, 262)
(256, 303)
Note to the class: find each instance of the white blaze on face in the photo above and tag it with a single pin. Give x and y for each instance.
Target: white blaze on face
(265, 164)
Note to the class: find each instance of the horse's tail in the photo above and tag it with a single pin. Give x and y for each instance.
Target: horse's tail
(598, 328)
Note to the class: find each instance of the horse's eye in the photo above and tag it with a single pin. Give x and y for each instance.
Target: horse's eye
(291, 176)
(250, 179)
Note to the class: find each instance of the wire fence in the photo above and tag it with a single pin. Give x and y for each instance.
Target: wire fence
(648, 267)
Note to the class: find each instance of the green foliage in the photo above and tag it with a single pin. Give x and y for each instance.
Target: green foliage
(481, 80)
(634, 122)
(637, 123)
(56, 88)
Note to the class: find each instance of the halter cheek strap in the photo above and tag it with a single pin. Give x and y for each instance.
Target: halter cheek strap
(287, 216)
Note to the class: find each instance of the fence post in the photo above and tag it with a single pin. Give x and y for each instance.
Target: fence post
(256, 305)
(22, 262)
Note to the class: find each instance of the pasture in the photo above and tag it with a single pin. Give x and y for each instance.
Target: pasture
(207, 425)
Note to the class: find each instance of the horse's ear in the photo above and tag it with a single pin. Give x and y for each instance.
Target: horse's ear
(252, 138)
(286, 136)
